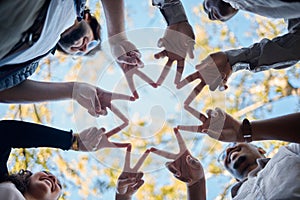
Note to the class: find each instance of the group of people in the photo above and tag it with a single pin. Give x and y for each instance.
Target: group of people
(33, 29)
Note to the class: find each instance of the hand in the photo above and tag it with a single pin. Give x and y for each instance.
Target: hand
(218, 125)
(185, 167)
(179, 40)
(129, 59)
(93, 139)
(94, 99)
(130, 179)
(213, 71)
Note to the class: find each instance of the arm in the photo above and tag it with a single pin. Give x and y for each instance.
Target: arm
(18, 134)
(31, 91)
(223, 127)
(286, 128)
(197, 191)
(280, 52)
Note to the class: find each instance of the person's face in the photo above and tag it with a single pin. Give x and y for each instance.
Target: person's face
(77, 38)
(44, 186)
(218, 10)
(241, 158)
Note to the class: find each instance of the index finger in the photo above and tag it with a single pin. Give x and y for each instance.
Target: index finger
(126, 167)
(180, 140)
(119, 96)
(163, 153)
(141, 161)
(180, 67)
(197, 90)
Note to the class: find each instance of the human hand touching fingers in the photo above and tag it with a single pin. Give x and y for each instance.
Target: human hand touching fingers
(178, 41)
(184, 166)
(130, 180)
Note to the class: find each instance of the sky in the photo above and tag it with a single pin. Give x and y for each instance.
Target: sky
(145, 25)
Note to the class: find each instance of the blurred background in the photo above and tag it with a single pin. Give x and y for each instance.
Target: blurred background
(93, 175)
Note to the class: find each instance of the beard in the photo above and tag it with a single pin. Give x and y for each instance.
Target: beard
(69, 39)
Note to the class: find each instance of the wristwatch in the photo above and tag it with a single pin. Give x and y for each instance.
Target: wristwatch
(246, 130)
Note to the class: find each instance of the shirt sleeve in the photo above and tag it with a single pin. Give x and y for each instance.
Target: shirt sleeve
(19, 134)
(295, 148)
(278, 53)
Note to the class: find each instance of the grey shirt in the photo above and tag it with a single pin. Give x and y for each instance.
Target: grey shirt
(280, 52)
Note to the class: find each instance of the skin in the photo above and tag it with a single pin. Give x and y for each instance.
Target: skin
(43, 186)
(81, 43)
(241, 159)
(218, 10)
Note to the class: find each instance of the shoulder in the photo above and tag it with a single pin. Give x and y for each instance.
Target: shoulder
(8, 190)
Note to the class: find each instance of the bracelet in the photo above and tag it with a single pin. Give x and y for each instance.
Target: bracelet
(75, 142)
(246, 130)
(174, 13)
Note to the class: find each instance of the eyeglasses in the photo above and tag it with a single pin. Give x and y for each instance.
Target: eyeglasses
(90, 46)
(223, 154)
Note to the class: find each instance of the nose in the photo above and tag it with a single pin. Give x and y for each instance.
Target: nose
(83, 48)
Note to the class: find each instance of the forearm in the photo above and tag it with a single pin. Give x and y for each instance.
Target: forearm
(197, 191)
(33, 91)
(281, 52)
(115, 16)
(285, 128)
(20, 134)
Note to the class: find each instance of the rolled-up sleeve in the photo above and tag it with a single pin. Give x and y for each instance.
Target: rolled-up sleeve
(278, 53)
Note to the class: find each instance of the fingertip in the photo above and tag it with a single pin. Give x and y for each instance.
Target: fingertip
(153, 149)
(132, 98)
(102, 129)
(135, 94)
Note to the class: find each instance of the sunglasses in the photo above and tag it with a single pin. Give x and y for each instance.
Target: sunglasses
(90, 46)
(223, 154)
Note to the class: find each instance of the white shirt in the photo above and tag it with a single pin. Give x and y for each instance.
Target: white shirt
(8, 191)
(279, 179)
(61, 15)
(268, 8)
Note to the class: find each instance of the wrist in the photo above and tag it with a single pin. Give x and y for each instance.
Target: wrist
(123, 196)
(174, 13)
(117, 38)
(75, 142)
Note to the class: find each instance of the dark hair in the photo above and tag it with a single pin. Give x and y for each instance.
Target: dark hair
(20, 180)
(96, 29)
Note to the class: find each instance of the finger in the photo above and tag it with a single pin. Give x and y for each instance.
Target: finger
(141, 161)
(138, 185)
(197, 90)
(180, 67)
(190, 128)
(124, 59)
(195, 113)
(213, 86)
(136, 53)
(146, 79)
(165, 72)
(161, 54)
(180, 140)
(161, 42)
(163, 153)
(120, 145)
(119, 96)
(126, 167)
(117, 112)
(188, 80)
(190, 48)
(126, 182)
(97, 105)
(131, 86)
(193, 162)
(171, 167)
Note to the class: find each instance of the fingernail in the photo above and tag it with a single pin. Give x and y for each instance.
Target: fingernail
(214, 113)
(102, 129)
(132, 99)
(135, 94)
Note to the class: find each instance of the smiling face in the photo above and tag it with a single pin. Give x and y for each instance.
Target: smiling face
(241, 159)
(76, 38)
(43, 186)
(218, 10)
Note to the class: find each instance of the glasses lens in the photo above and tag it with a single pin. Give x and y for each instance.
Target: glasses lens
(92, 44)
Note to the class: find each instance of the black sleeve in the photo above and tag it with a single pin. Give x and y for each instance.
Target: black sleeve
(19, 134)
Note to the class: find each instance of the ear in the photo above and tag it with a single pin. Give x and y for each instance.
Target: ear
(261, 151)
(87, 17)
